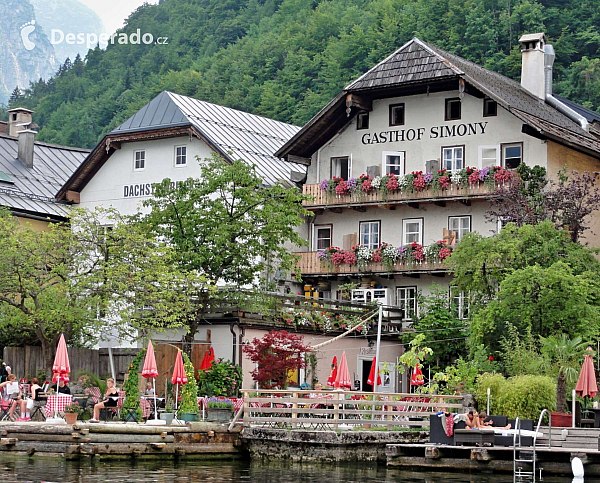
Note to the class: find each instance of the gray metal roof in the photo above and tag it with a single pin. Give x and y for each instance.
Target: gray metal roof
(237, 134)
(33, 190)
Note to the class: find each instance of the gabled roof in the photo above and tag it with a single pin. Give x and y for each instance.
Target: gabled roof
(232, 133)
(30, 191)
(417, 63)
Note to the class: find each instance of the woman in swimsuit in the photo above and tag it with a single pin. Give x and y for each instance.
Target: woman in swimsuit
(110, 400)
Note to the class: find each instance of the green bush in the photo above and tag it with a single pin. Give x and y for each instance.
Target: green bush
(496, 383)
(526, 396)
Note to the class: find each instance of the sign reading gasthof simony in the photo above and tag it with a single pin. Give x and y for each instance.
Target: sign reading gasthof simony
(435, 132)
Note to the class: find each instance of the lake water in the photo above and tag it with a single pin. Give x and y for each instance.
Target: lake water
(20, 469)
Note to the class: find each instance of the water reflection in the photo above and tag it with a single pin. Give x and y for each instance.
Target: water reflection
(40, 469)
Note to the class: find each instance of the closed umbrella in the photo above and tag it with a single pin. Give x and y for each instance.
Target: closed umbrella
(333, 373)
(371, 379)
(416, 378)
(208, 360)
(179, 376)
(342, 378)
(61, 367)
(150, 371)
(586, 384)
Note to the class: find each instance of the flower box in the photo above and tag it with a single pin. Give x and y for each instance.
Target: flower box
(561, 420)
(219, 415)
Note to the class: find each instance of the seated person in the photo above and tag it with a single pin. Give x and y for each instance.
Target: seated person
(318, 387)
(481, 423)
(13, 393)
(38, 401)
(111, 397)
(62, 387)
(471, 420)
(149, 389)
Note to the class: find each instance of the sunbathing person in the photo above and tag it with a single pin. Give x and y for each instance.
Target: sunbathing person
(481, 422)
(471, 420)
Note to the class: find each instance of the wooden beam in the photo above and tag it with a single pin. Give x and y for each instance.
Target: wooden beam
(414, 205)
(360, 103)
(387, 207)
(362, 209)
(73, 196)
(465, 202)
(335, 210)
(292, 158)
(440, 203)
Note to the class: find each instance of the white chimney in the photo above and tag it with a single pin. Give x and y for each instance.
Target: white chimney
(18, 119)
(25, 148)
(533, 76)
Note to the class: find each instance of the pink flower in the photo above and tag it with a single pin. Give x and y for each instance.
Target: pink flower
(337, 258)
(392, 183)
(474, 178)
(366, 185)
(341, 188)
(376, 256)
(444, 253)
(350, 257)
(419, 183)
(444, 181)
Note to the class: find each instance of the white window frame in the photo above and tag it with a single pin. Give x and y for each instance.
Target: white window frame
(175, 163)
(511, 145)
(316, 229)
(385, 164)
(402, 299)
(369, 223)
(454, 158)
(461, 302)
(331, 167)
(480, 156)
(460, 232)
(405, 233)
(135, 160)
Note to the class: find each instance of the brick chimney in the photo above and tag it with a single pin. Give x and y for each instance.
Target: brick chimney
(19, 119)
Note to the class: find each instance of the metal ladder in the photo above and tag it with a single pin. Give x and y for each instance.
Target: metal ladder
(528, 457)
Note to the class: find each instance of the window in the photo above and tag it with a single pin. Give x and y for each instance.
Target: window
(490, 108)
(393, 163)
(452, 109)
(323, 238)
(369, 233)
(412, 229)
(396, 114)
(459, 303)
(488, 156)
(406, 298)
(362, 120)
(180, 155)
(453, 158)
(139, 160)
(340, 167)
(461, 225)
(512, 155)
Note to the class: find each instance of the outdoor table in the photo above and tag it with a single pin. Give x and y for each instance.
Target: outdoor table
(596, 412)
(147, 404)
(57, 402)
(474, 437)
(81, 399)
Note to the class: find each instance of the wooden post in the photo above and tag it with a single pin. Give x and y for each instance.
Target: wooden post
(336, 414)
(246, 406)
(294, 413)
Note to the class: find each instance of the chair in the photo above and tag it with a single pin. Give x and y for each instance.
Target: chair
(4, 408)
(38, 408)
(583, 417)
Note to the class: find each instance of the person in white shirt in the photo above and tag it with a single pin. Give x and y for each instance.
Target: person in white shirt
(13, 393)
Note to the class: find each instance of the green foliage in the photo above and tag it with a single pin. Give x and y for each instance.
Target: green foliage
(132, 386)
(287, 58)
(459, 377)
(189, 391)
(526, 396)
(90, 379)
(496, 383)
(416, 353)
(223, 379)
(520, 353)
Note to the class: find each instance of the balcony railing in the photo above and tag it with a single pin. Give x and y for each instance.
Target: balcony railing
(309, 264)
(321, 198)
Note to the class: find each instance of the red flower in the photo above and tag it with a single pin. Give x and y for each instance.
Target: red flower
(491, 358)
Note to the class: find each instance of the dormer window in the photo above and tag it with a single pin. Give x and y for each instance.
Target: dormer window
(362, 120)
(452, 109)
(397, 114)
(490, 107)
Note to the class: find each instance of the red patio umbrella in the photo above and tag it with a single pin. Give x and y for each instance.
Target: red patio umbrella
(342, 378)
(586, 384)
(150, 371)
(61, 367)
(179, 376)
(371, 379)
(416, 378)
(208, 360)
(333, 373)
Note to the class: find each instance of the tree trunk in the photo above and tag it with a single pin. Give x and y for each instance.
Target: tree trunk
(48, 357)
(561, 393)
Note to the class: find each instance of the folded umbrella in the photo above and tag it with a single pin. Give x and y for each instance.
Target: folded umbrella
(371, 379)
(333, 373)
(150, 371)
(179, 375)
(208, 360)
(342, 378)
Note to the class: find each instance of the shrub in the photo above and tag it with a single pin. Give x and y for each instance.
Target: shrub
(496, 383)
(526, 396)
(189, 391)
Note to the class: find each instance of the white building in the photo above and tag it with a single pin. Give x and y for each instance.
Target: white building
(424, 109)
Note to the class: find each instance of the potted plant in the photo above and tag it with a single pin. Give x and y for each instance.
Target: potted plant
(219, 410)
(72, 412)
(168, 413)
(188, 408)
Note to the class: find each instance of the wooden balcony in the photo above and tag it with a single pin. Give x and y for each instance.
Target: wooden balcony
(321, 199)
(309, 264)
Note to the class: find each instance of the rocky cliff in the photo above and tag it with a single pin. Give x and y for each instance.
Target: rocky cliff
(25, 51)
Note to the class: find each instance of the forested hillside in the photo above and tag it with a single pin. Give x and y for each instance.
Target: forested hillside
(286, 58)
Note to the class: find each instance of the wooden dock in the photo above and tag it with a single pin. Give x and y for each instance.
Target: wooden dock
(110, 440)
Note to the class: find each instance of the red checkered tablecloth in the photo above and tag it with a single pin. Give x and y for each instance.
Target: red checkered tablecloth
(57, 402)
(146, 408)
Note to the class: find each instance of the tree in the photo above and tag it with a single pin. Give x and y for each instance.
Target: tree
(226, 225)
(87, 280)
(15, 98)
(563, 357)
(277, 354)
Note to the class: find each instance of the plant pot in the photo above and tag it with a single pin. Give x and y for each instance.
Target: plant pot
(188, 417)
(168, 417)
(219, 415)
(561, 420)
(71, 418)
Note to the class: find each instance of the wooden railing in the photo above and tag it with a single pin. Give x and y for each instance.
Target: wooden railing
(296, 409)
(309, 264)
(320, 198)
